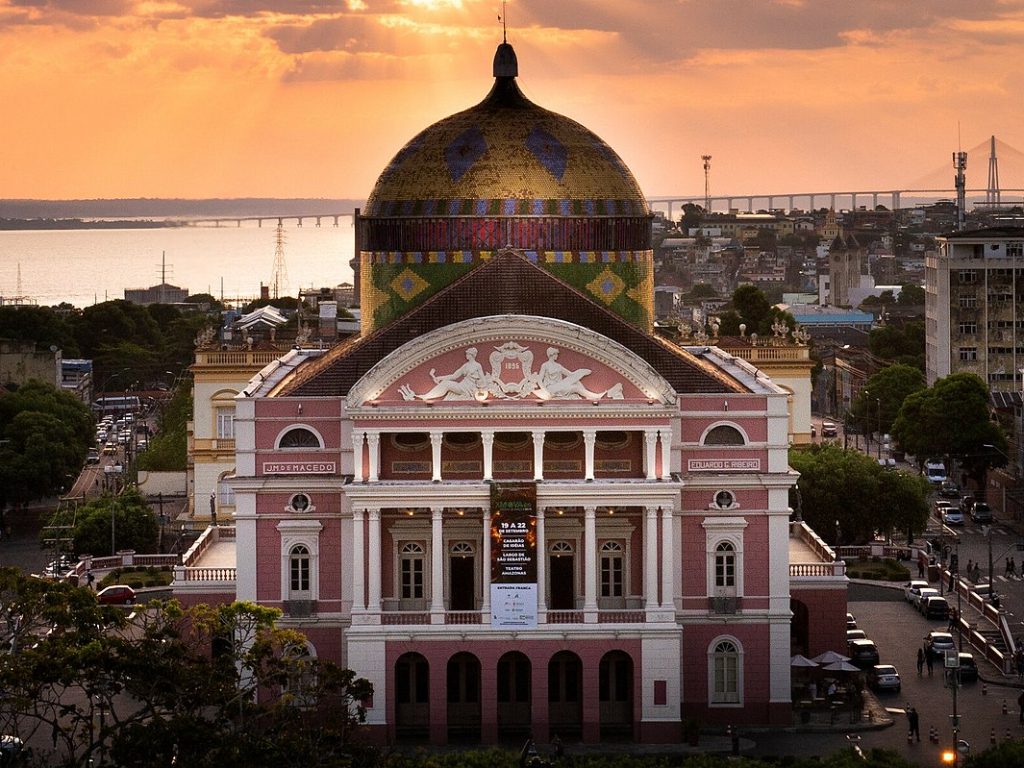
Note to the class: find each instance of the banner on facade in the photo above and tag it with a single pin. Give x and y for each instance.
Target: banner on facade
(514, 533)
(514, 605)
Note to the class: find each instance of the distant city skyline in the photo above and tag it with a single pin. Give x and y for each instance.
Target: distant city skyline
(311, 98)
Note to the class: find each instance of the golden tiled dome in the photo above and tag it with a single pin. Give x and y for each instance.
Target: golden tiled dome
(506, 156)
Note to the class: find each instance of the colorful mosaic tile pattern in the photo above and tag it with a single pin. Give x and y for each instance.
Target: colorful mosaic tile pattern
(394, 283)
(508, 207)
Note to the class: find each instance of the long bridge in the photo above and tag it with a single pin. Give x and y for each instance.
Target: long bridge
(891, 196)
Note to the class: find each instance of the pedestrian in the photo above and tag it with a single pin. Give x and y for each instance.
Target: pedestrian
(1020, 663)
(914, 723)
(970, 569)
(953, 617)
(920, 568)
(89, 578)
(529, 754)
(1013, 568)
(1006, 567)
(930, 662)
(920, 661)
(556, 745)
(952, 582)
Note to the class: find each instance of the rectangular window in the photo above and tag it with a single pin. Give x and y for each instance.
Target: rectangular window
(225, 423)
(968, 354)
(300, 574)
(611, 576)
(226, 493)
(968, 276)
(725, 570)
(726, 679)
(968, 302)
(412, 578)
(969, 328)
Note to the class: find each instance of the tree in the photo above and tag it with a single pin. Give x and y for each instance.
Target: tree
(750, 306)
(147, 692)
(134, 524)
(911, 295)
(951, 419)
(845, 495)
(879, 401)
(168, 450)
(44, 436)
(899, 345)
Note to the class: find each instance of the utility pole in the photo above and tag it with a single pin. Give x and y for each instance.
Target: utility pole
(960, 163)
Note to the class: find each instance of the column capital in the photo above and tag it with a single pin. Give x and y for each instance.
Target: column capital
(373, 435)
(589, 434)
(590, 511)
(374, 513)
(487, 435)
(538, 435)
(652, 509)
(436, 512)
(436, 436)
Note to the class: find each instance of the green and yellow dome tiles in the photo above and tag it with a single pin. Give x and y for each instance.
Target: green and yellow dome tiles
(505, 173)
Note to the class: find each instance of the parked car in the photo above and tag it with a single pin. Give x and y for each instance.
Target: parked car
(923, 594)
(855, 634)
(92, 456)
(968, 668)
(953, 516)
(981, 513)
(863, 653)
(851, 621)
(912, 589)
(884, 677)
(949, 490)
(117, 594)
(829, 429)
(937, 643)
(935, 608)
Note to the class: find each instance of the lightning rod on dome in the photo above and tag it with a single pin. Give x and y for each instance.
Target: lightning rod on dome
(501, 18)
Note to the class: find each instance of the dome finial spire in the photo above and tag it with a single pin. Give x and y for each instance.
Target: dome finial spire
(505, 63)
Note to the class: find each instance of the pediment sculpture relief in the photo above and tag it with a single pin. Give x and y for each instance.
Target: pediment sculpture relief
(511, 378)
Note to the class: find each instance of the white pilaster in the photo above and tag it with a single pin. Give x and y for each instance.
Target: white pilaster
(435, 454)
(486, 561)
(358, 561)
(373, 440)
(589, 440)
(650, 443)
(487, 438)
(590, 564)
(373, 597)
(668, 557)
(436, 564)
(538, 454)
(651, 559)
(665, 438)
(542, 565)
(357, 455)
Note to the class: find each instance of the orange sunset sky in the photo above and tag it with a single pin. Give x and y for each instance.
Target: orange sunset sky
(311, 98)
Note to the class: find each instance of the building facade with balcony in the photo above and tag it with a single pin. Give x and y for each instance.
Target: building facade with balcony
(974, 307)
(508, 504)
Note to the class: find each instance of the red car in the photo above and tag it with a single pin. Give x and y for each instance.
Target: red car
(117, 594)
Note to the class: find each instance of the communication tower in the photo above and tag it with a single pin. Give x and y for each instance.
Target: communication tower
(280, 274)
(707, 182)
(992, 195)
(960, 163)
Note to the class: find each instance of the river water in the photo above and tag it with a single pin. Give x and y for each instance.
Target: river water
(86, 266)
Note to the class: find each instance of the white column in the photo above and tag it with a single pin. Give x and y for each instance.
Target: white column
(357, 455)
(590, 564)
(542, 564)
(373, 440)
(651, 559)
(665, 438)
(486, 563)
(373, 598)
(435, 454)
(538, 454)
(668, 559)
(358, 561)
(487, 438)
(651, 440)
(589, 440)
(436, 565)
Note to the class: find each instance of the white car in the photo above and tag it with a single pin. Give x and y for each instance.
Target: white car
(935, 471)
(925, 592)
(953, 516)
(912, 589)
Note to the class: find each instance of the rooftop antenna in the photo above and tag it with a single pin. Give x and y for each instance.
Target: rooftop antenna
(280, 276)
(501, 18)
(707, 182)
(992, 195)
(960, 163)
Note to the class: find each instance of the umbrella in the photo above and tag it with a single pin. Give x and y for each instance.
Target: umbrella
(841, 666)
(802, 661)
(830, 656)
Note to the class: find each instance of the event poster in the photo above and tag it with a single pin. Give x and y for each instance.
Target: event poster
(513, 534)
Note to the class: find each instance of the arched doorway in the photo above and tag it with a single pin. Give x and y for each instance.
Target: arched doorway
(515, 696)
(615, 691)
(463, 694)
(565, 695)
(799, 628)
(412, 697)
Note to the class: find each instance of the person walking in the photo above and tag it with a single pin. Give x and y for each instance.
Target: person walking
(930, 662)
(1013, 568)
(920, 662)
(970, 568)
(914, 723)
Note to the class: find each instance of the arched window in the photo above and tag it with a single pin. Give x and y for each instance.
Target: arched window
(725, 565)
(611, 569)
(225, 493)
(723, 434)
(298, 562)
(725, 673)
(300, 437)
(559, 548)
